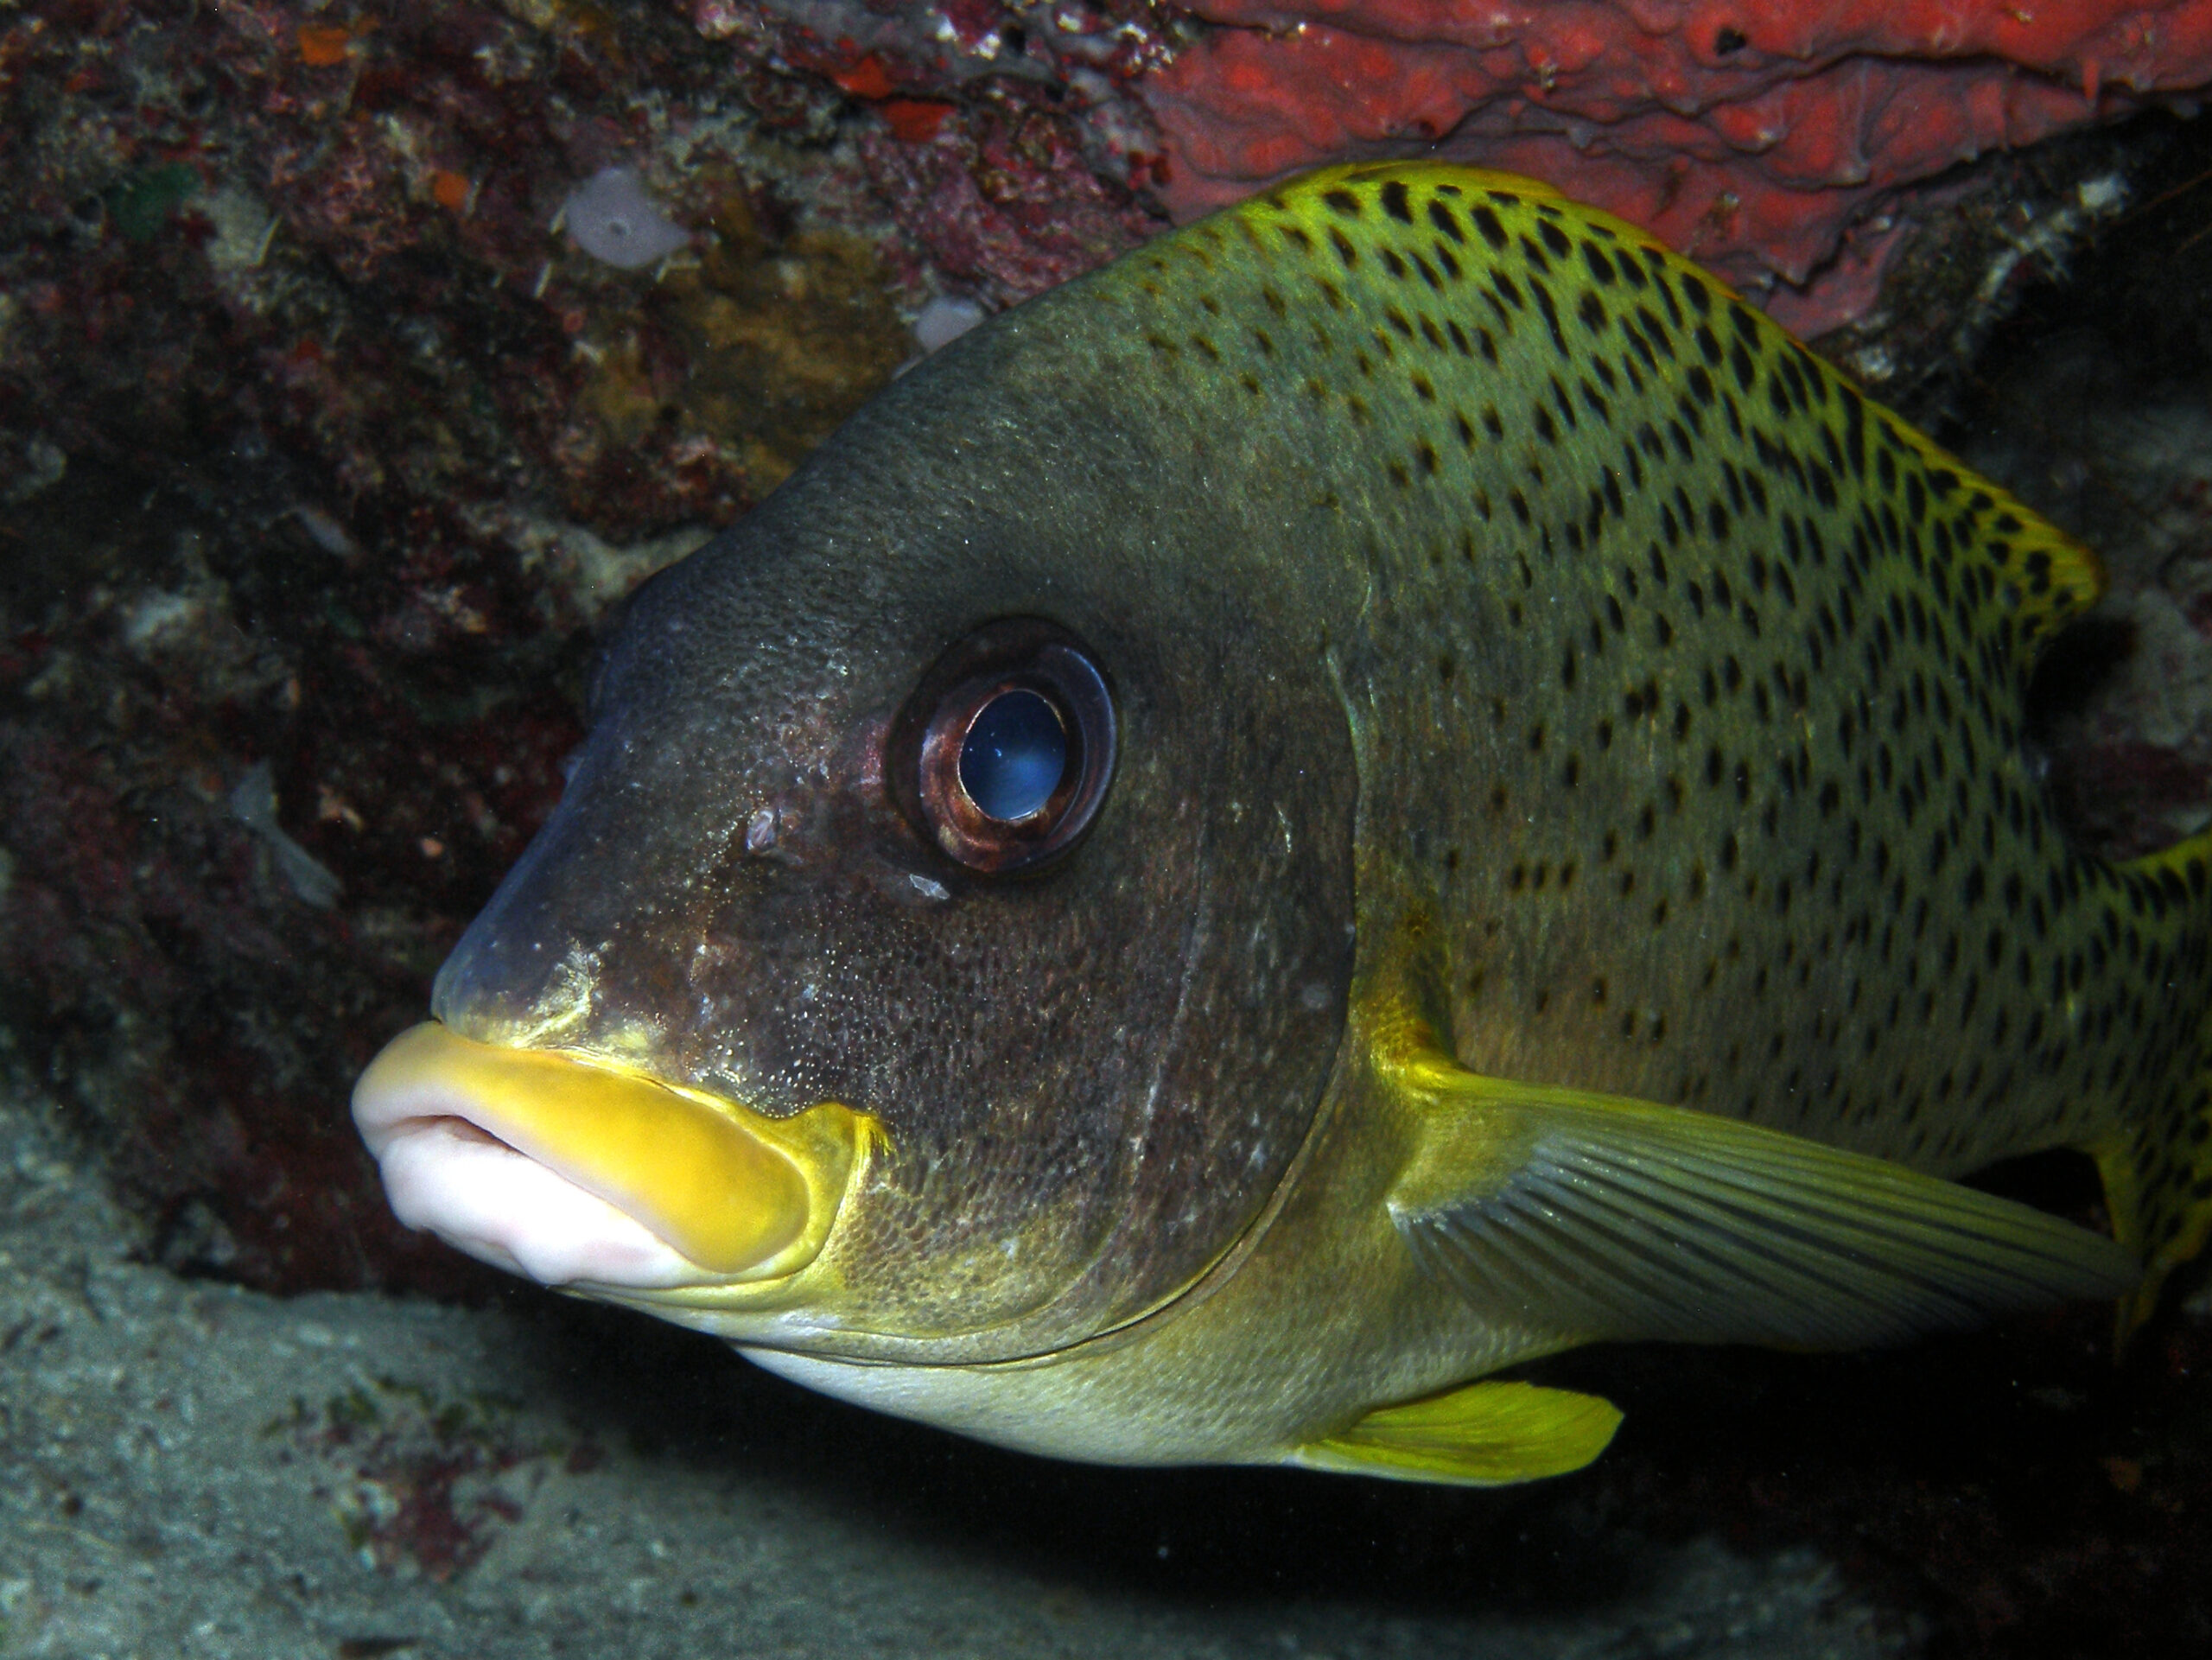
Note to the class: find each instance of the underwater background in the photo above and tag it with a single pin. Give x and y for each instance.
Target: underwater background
(357, 361)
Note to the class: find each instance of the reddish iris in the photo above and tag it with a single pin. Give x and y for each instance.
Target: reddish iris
(1010, 739)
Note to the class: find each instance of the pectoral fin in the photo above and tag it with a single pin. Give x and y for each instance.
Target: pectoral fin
(1484, 1435)
(1599, 1217)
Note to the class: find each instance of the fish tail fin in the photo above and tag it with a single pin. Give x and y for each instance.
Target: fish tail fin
(2157, 1168)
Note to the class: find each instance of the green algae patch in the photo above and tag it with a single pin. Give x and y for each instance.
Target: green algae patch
(142, 203)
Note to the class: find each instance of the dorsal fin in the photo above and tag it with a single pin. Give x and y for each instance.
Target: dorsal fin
(2008, 570)
(2036, 578)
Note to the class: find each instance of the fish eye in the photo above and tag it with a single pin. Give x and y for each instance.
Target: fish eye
(1014, 755)
(1012, 746)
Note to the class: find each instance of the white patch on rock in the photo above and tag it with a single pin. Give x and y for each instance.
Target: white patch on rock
(253, 804)
(944, 320)
(613, 218)
(593, 573)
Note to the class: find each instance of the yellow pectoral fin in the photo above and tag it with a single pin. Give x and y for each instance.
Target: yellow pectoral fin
(1484, 1435)
(1599, 1217)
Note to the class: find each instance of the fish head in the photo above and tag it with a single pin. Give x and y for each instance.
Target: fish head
(941, 949)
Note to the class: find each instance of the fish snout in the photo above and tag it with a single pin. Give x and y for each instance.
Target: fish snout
(572, 1170)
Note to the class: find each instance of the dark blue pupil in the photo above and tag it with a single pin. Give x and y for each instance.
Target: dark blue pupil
(1014, 755)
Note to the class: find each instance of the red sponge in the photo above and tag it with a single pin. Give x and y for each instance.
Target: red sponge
(1748, 134)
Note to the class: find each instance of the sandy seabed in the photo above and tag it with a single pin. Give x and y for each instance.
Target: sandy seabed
(191, 1469)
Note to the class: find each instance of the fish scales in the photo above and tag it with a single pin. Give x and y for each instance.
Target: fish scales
(1392, 783)
(1735, 666)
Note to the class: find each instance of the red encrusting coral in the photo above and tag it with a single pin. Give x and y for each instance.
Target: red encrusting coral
(1011, 157)
(1753, 135)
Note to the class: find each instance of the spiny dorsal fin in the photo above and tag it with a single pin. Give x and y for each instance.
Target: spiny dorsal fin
(2036, 575)
(1596, 1216)
(2008, 568)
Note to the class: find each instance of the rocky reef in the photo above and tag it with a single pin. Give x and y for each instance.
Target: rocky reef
(357, 360)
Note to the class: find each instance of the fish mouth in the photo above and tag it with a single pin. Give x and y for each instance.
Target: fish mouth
(571, 1169)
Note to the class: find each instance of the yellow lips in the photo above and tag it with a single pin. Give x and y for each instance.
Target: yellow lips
(727, 1189)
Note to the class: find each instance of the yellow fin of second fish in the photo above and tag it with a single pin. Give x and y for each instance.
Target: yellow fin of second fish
(1597, 1217)
(2156, 1166)
(1484, 1435)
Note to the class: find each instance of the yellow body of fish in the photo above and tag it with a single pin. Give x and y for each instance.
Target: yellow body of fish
(1393, 783)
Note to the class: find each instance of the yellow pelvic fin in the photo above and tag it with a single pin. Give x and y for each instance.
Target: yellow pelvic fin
(1597, 1217)
(1484, 1435)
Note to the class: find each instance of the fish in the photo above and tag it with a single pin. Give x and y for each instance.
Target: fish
(1393, 782)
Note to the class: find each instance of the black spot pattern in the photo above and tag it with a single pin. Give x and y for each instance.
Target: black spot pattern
(1733, 644)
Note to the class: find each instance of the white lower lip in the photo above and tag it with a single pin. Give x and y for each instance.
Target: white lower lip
(443, 1174)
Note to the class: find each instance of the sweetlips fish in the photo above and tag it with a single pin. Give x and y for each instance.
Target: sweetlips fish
(1392, 783)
